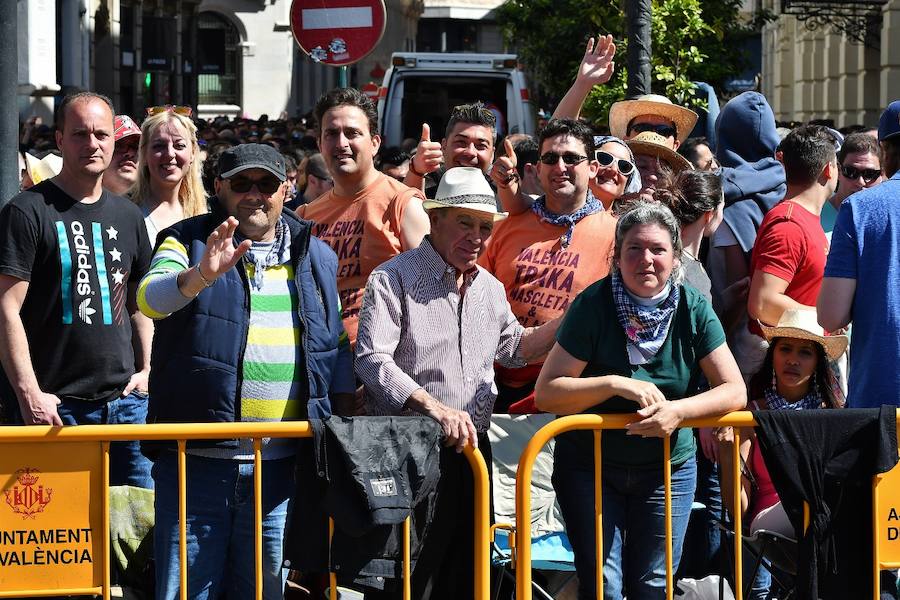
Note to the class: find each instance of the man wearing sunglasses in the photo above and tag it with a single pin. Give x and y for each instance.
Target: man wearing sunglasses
(247, 329)
(547, 255)
(859, 168)
(862, 275)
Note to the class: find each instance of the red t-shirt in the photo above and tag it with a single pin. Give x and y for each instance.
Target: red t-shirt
(792, 246)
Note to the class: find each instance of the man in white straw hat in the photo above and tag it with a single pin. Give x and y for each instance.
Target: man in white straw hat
(431, 327)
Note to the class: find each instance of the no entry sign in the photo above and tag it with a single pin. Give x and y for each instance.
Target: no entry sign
(337, 32)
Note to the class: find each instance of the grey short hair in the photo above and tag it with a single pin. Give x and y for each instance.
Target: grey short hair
(648, 213)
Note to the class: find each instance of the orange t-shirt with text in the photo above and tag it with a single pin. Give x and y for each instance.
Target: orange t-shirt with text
(364, 231)
(540, 276)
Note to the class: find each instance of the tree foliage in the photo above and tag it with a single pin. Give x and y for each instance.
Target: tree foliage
(692, 40)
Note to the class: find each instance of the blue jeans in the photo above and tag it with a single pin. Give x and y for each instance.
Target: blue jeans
(634, 555)
(127, 466)
(220, 530)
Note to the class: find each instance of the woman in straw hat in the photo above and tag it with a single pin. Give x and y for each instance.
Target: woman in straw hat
(796, 375)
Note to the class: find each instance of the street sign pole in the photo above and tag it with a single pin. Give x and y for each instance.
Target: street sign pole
(343, 77)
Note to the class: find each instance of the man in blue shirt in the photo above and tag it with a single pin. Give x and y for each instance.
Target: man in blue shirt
(862, 277)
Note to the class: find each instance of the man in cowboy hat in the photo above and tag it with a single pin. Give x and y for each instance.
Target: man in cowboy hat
(627, 118)
(431, 327)
(656, 161)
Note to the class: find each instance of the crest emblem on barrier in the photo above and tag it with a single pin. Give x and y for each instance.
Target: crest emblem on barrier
(28, 498)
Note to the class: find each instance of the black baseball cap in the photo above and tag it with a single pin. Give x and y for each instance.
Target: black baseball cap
(251, 156)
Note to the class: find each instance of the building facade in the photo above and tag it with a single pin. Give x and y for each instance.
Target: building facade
(138, 52)
(222, 57)
(818, 73)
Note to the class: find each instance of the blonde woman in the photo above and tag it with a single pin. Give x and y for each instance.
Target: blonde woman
(168, 188)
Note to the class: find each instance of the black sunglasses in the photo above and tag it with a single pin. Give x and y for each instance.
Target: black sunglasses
(266, 185)
(606, 159)
(663, 130)
(868, 175)
(570, 158)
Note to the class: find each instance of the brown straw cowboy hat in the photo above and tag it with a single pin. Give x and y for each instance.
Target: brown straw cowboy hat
(802, 324)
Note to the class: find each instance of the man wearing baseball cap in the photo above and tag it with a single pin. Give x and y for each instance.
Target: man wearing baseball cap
(248, 329)
(862, 277)
(123, 170)
(431, 326)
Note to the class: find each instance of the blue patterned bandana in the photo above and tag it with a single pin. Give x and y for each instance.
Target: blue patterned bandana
(278, 253)
(590, 207)
(775, 401)
(645, 327)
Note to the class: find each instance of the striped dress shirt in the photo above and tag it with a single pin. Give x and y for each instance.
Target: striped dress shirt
(417, 331)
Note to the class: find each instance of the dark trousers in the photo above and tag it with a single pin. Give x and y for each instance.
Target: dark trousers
(445, 569)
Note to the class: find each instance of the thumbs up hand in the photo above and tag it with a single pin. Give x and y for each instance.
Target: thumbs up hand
(429, 155)
(503, 172)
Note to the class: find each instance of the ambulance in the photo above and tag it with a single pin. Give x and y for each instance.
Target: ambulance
(423, 87)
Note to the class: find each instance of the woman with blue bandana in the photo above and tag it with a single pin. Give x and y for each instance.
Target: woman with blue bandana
(635, 342)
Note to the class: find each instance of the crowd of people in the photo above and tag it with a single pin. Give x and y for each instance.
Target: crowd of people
(235, 270)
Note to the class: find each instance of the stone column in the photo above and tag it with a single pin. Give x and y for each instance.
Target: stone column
(37, 58)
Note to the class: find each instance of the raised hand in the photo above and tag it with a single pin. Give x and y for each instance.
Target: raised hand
(221, 255)
(597, 66)
(429, 155)
(503, 172)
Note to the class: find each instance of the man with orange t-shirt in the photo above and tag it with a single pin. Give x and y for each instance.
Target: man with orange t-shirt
(368, 217)
(547, 255)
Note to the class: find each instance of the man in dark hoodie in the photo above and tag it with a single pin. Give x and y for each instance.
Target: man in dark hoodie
(753, 181)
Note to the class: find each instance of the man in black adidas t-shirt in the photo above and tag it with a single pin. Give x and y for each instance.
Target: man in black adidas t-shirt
(73, 346)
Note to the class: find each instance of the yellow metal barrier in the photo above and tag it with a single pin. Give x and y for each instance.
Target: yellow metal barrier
(885, 499)
(104, 434)
(598, 423)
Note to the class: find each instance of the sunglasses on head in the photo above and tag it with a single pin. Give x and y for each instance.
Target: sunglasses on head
(266, 185)
(569, 158)
(663, 130)
(868, 175)
(605, 159)
(184, 111)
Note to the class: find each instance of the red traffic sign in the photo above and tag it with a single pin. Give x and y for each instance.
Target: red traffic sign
(337, 32)
(370, 90)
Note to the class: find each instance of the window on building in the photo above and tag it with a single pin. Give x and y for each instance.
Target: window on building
(218, 54)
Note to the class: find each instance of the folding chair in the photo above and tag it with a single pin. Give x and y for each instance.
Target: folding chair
(772, 550)
(550, 548)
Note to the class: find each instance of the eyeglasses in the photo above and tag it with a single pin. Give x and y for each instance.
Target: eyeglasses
(184, 111)
(663, 130)
(569, 158)
(266, 185)
(605, 159)
(868, 175)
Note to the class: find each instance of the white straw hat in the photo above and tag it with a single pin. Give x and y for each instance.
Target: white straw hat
(653, 144)
(465, 187)
(621, 113)
(802, 324)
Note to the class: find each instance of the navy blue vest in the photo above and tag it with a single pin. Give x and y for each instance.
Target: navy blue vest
(195, 373)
